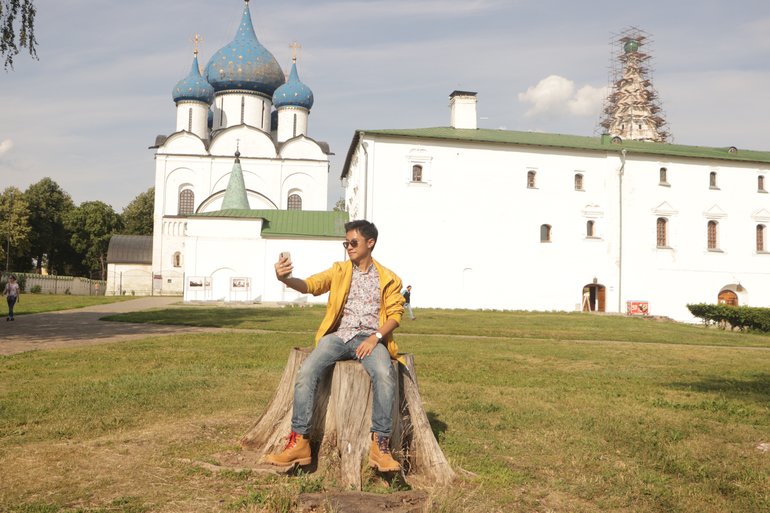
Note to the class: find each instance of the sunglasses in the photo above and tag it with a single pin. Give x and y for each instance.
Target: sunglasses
(352, 243)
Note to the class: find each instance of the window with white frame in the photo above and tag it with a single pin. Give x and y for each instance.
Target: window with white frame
(294, 202)
(761, 234)
(531, 175)
(417, 173)
(712, 241)
(186, 202)
(579, 181)
(661, 232)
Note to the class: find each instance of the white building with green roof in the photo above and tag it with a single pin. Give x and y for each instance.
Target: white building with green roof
(500, 219)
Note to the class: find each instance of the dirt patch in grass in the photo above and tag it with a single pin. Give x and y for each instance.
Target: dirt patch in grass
(362, 502)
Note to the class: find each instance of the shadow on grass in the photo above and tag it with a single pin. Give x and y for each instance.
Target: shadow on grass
(756, 388)
(437, 426)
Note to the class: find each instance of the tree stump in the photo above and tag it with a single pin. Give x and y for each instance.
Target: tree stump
(342, 421)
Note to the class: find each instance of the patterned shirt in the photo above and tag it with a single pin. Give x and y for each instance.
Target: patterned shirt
(361, 313)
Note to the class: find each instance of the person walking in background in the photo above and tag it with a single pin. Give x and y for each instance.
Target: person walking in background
(12, 292)
(407, 293)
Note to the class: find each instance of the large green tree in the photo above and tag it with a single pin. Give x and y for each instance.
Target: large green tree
(17, 29)
(14, 226)
(137, 216)
(49, 240)
(91, 225)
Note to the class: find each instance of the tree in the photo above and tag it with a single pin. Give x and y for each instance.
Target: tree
(14, 223)
(340, 205)
(91, 225)
(13, 34)
(49, 240)
(138, 215)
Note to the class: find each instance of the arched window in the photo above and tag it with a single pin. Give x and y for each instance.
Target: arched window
(713, 180)
(761, 230)
(589, 229)
(177, 259)
(663, 176)
(712, 235)
(761, 183)
(189, 119)
(578, 182)
(417, 173)
(531, 179)
(294, 202)
(662, 232)
(243, 109)
(294, 127)
(545, 233)
(186, 202)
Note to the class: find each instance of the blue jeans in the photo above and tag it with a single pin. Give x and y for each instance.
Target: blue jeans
(331, 349)
(11, 302)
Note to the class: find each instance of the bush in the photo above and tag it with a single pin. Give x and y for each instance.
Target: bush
(36, 289)
(741, 317)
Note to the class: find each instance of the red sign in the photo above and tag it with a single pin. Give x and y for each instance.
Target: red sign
(637, 308)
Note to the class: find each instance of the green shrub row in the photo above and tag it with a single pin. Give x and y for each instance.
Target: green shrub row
(741, 317)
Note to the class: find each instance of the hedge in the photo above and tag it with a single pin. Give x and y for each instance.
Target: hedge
(741, 317)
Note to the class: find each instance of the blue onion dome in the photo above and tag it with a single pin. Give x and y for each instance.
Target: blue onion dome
(244, 63)
(194, 86)
(293, 93)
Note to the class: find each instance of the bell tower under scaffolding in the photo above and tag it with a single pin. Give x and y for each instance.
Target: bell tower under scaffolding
(632, 110)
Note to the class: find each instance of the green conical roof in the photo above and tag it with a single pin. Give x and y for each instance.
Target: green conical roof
(235, 195)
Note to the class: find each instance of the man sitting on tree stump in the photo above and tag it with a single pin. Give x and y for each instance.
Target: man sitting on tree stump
(364, 308)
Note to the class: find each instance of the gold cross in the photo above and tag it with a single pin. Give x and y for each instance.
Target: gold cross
(197, 40)
(295, 46)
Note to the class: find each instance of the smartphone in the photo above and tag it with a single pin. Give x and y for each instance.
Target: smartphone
(285, 255)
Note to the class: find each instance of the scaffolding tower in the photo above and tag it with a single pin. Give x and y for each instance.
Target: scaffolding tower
(632, 109)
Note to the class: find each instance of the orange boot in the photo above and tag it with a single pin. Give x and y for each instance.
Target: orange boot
(297, 450)
(379, 455)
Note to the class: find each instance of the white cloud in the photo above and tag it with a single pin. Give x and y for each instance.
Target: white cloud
(556, 95)
(6, 146)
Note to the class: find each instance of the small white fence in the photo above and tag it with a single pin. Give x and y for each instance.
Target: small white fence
(50, 284)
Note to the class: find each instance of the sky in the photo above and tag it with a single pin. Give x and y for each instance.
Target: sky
(85, 113)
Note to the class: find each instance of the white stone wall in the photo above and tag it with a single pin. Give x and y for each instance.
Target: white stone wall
(219, 250)
(129, 279)
(469, 235)
(192, 113)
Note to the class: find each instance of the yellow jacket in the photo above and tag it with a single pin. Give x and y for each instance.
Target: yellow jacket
(336, 280)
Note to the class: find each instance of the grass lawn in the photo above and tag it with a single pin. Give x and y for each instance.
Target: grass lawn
(38, 303)
(545, 412)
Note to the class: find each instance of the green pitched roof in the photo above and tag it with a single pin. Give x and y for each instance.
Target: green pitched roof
(290, 223)
(235, 195)
(573, 142)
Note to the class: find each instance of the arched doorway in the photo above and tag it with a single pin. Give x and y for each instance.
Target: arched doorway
(728, 297)
(593, 298)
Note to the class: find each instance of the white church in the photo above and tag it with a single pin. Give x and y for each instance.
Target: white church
(238, 182)
(475, 218)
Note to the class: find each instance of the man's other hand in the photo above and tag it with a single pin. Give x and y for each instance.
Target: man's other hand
(366, 347)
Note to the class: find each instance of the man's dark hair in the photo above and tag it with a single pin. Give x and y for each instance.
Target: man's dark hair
(365, 228)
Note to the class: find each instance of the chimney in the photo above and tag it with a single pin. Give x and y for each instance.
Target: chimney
(462, 106)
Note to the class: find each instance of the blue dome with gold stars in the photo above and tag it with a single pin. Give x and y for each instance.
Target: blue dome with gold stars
(244, 63)
(193, 87)
(293, 93)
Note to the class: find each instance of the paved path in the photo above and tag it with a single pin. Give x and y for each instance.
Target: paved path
(82, 326)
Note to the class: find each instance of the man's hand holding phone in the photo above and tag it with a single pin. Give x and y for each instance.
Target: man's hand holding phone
(284, 267)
